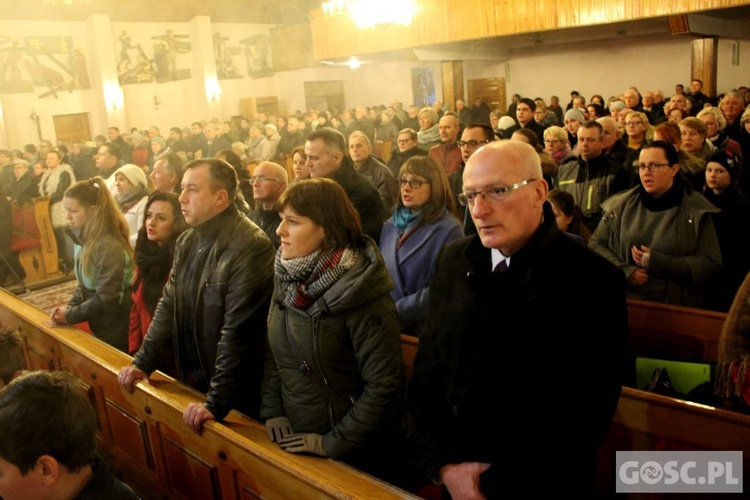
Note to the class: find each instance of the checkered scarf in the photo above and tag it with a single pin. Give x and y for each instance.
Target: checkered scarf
(305, 279)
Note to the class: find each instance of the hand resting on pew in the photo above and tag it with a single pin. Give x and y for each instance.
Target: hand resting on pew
(129, 375)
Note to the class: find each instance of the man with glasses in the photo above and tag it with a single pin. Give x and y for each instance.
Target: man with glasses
(519, 334)
(269, 181)
(407, 146)
(591, 177)
(473, 137)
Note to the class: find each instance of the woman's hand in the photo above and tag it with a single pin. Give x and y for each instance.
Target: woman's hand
(641, 255)
(58, 317)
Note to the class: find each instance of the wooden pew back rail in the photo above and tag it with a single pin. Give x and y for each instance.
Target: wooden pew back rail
(143, 438)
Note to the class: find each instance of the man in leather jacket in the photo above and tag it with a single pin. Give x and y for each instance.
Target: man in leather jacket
(214, 307)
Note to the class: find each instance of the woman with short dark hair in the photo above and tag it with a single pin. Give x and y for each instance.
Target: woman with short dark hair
(335, 378)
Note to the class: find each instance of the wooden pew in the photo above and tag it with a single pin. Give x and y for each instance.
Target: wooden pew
(34, 240)
(646, 421)
(674, 332)
(383, 149)
(143, 438)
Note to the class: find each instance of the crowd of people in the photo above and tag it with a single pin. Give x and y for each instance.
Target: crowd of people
(281, 291)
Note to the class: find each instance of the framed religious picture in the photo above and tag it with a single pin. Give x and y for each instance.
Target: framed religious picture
(423, 86)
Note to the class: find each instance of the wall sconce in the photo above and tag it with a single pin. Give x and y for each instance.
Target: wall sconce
(113, 97)
(157, 102)
(213, 91)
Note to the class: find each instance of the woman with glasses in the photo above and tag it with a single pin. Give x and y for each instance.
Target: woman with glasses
(638, 132)
(557, 146)
(660, 233)
(423, 221)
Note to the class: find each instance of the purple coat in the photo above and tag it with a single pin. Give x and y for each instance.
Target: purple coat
(411, 266)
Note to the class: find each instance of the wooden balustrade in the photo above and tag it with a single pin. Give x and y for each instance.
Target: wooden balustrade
(144, 440)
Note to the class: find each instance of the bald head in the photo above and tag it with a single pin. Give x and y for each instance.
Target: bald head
(505, 192)
(269, 181)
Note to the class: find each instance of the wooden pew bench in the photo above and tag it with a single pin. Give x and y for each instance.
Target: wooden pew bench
(144, 440)
(674, 332)
(33, 239)
(646, 421)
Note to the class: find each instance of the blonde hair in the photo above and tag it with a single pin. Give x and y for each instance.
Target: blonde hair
(429, 111)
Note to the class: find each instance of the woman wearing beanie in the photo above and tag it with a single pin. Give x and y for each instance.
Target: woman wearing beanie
(158, 147)
(722, 169)
(132, 194)
(505, 126)
(573, 120)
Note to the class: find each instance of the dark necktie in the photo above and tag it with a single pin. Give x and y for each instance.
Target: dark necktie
(501, 267)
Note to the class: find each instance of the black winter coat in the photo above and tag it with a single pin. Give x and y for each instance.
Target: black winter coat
(543, 343)
(232, 305)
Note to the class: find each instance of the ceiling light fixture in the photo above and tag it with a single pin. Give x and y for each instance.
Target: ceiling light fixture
(371, 13)
(67, 3)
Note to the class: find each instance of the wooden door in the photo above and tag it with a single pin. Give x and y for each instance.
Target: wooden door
(492, 90)
(72, 127)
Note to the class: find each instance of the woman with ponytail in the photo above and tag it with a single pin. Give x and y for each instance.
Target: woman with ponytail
(103, 263)
(163, 223)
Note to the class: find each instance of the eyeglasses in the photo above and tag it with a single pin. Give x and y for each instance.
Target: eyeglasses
(413, 183)
(633, 123)
(651, 166)
(494, 193)
(262, 178)
(471, 144)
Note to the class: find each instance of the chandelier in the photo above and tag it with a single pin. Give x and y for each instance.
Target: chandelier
(370, 13)
(67, 3)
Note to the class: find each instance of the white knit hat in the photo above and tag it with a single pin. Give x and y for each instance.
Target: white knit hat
(506, 122)
(134, 174)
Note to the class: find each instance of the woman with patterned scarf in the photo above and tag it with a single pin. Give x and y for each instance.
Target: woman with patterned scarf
(424, 220)
(334, 380)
